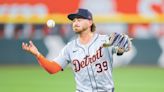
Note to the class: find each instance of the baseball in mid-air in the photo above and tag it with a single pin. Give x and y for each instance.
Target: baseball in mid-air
(51, 23)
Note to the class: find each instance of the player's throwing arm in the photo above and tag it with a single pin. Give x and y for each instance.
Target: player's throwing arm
(51, 67)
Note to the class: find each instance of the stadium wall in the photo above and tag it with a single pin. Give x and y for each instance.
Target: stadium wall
(148, 52)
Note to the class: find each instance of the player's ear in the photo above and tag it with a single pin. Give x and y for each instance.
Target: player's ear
(90, 22)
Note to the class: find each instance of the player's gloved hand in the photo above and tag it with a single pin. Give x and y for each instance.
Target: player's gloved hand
(112, 40)
(113, 37)
(120, 41)
(123, 44)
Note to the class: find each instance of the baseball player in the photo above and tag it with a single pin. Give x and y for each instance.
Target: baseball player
(90, 54)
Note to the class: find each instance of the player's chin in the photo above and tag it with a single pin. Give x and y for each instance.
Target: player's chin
(77, 31)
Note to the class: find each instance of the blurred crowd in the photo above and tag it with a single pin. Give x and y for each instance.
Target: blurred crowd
(34, 31)
(39, 31)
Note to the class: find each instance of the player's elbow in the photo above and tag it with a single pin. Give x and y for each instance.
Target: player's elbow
(52, 71)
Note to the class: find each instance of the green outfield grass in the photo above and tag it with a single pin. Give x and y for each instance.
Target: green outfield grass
(35, 79)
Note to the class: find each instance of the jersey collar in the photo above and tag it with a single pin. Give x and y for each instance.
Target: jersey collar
(95, 36)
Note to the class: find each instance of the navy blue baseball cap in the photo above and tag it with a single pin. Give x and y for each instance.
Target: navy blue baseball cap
(81, 13)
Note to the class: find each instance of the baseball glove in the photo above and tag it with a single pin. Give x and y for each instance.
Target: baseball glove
(121, 41)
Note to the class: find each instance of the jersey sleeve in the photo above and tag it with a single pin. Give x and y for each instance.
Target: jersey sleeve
(63, 58)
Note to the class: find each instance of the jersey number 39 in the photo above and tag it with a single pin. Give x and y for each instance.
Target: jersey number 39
(102, 66)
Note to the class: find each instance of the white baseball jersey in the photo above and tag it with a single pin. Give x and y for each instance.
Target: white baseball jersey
(91, 63)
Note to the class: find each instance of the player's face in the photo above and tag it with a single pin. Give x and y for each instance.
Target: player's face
(79, 24)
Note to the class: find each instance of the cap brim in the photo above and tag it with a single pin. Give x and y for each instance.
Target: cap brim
(73, 16)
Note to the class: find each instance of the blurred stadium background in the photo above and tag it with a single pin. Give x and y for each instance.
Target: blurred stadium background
(140, 70)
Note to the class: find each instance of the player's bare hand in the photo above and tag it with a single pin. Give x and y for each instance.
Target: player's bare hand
(30, 47)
